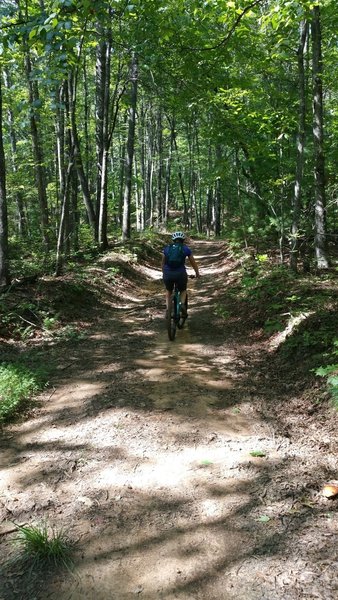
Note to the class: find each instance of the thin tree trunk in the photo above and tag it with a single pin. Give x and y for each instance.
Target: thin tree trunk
(126, 224)
(199, 212)
(159, 201)
(297, 195)
(318, 135)
(218, 195)
(123, 150)
(86, 111)
(22, 221)
(143, 204)
(217, 207)
(168, 176)
(180, 177)
(4, 268)
(103, 103)
(240, 203)
(65, 178)
(38, 153)
(78, 158)
(63, 220)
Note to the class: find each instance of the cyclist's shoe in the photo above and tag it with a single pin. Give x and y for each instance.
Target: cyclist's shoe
(184, 311)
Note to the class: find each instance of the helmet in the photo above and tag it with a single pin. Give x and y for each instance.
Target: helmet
(178, 235)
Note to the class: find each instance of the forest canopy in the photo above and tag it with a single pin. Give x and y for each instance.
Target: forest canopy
(220, 116)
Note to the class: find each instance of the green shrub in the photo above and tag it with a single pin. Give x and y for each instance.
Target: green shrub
(331, 374)
(17, 385)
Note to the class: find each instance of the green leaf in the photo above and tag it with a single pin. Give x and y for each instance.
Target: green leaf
(264, 519)
(258, 453)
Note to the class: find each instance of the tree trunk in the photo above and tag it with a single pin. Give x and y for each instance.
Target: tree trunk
(22, 221)
(65, 178)
(180, 177)
(297, 195)
(218, 194)
(159, 199)
(319, 167)
(63, 220)
(4, 269)
(239, 200)
(130, 151)
(78, 158)
(38, 153)
(168, 176)
(102, 137)
(217, 207)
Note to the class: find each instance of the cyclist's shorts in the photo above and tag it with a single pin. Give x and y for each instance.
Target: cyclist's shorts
(180, 278)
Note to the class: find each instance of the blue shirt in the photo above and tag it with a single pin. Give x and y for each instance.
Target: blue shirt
(181, 269)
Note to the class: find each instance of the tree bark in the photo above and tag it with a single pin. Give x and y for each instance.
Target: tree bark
(126, 224)
(297, 195)
(38, 153)
(22, 221)
(318, 136)
(102, 136)
(78, 157)
(180, 176)
(4, 268)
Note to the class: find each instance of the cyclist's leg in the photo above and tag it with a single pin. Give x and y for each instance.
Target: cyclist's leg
(169, 286)
(182, 286)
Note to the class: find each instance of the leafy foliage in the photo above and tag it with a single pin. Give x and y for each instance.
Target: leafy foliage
(18, 384)
(330, 372)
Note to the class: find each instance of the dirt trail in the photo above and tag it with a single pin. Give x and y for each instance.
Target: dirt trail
(143, 449)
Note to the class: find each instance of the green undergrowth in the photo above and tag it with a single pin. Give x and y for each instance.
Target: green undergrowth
(298, 311)
(45, 312)
(18, 384)
(330, 372)
(53, 309)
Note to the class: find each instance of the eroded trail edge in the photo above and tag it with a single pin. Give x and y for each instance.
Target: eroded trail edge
(156, 456)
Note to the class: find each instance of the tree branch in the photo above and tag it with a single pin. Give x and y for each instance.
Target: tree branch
(229, 34)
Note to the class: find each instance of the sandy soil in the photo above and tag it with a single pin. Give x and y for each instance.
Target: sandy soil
(141, 448)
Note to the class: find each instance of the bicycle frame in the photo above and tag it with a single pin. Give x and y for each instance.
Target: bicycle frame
(175, 317)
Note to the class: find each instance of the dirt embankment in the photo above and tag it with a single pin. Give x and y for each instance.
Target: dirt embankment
(184, 470)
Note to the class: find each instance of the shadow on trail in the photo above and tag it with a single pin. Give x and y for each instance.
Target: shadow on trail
(151, 446)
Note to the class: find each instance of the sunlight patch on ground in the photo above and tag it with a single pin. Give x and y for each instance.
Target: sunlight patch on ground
(219, 384)
(151, 273)
(293, 323)
(170, 470)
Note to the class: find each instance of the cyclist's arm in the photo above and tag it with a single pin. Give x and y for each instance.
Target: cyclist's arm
(194, 265)
(163, 261)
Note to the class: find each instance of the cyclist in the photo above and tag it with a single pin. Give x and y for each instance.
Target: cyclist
(173, 267)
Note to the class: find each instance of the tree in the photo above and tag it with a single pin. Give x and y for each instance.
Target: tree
(300, 141)
(130, 148)
(4, 269)
(318, 135)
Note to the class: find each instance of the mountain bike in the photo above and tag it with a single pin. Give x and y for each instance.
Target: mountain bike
(176, 316)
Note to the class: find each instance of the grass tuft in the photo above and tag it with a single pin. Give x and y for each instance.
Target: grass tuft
(44, 547)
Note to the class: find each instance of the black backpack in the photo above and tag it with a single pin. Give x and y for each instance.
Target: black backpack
(176, 256)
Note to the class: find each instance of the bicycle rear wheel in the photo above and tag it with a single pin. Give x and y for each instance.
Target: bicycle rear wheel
(183, 315)
(171, 319)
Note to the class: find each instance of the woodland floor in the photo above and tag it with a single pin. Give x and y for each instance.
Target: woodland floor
(141, 448)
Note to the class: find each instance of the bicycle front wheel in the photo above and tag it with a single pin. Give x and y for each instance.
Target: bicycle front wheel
(171, 320)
